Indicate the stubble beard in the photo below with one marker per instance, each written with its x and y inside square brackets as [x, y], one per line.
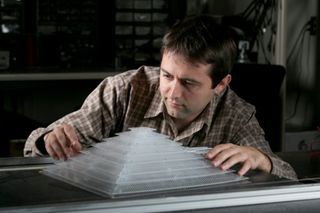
[180, 113]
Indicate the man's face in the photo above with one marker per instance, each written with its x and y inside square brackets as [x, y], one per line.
[185, 87]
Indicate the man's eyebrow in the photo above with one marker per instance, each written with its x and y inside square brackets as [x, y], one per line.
[163, 70]
[184, 79]
[191, 81]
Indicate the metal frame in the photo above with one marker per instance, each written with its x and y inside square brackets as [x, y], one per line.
[182, 203]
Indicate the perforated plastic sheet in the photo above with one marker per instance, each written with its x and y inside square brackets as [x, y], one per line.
[139, 161]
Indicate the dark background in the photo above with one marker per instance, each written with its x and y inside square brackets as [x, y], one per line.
[96, 36]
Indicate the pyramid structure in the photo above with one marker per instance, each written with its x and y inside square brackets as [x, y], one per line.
[137, 162]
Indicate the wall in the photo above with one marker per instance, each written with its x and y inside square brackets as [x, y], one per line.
[28, 104]
[301, 67]
[302, 81]
[302, 100]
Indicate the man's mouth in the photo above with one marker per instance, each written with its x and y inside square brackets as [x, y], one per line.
[175, 105]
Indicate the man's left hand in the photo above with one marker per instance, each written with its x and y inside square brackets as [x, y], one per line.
[227, 155]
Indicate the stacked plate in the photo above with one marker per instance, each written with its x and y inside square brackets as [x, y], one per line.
[137, 162]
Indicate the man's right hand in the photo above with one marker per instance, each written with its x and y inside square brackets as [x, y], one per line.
[62, 142]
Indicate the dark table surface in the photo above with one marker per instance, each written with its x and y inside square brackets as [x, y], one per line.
[22, 184]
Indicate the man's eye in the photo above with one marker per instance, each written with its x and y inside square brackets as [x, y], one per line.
[167, 76]
[188, 83]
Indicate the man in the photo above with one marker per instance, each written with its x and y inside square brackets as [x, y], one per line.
[187, 98]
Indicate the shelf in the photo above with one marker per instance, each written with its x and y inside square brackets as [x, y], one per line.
[89, 33]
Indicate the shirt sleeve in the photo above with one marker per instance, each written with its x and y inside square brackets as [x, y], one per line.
[30, 149]
[251, 134]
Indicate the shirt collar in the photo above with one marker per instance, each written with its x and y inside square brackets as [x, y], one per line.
[156, 107]
[208, 114]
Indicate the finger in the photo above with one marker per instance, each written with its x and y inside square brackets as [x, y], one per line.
[76, 147]
[61, 137]
[70, 133]
[216, 150]
[72, 137]
[224, 156]
[56, 147]
[51, 152]
[234, 159]
[65, 142]
[245, 168]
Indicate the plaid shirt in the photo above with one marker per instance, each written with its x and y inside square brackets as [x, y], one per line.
[132, 99]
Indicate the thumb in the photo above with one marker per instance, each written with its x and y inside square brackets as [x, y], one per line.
[76, 146]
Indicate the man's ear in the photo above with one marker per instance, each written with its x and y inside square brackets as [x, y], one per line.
[223, 84]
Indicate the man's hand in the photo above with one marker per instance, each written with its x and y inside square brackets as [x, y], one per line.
[227, 155]
[62, 142]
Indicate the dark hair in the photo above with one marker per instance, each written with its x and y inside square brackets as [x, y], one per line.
[202, 40]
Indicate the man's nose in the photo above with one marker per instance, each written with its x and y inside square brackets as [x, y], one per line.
[176, 89]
